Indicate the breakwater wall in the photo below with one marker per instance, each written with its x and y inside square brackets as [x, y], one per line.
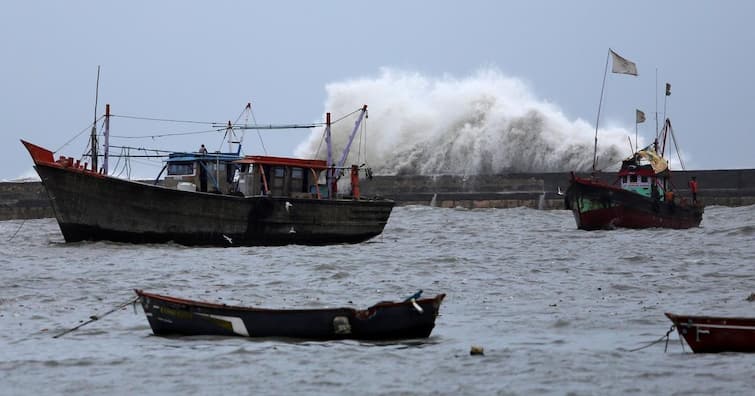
[735, 187]
[731, 187]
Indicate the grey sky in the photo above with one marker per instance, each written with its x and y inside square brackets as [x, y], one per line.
[205, 60]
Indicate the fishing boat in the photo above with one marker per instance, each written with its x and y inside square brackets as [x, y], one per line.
[411, 318]
[641, 196]
[643, 193]
[712, 334]
[214, 199]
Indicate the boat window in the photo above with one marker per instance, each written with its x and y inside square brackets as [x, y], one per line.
[644, 179]
[298, 180]
[278, 174]
[624, 179]
[633, 178]
[181, 168]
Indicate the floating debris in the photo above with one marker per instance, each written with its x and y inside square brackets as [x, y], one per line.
[476, 350]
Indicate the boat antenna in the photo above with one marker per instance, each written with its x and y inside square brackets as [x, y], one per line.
[94, 124]
[656, 103]
[670, 129]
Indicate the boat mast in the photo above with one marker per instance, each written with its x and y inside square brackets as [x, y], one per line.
[329, 144]
[107, 139]
[94, 124]
[597, 121]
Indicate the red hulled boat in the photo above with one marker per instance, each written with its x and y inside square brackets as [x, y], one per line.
[710, 334]
[642, 196]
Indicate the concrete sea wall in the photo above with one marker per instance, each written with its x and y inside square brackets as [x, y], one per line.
[733, 187]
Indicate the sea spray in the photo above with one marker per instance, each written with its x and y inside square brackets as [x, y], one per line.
[486, 123]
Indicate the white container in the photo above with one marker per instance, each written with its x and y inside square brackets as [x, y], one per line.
[186, 186]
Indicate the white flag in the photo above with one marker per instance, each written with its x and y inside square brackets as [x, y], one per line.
[623, 66]
[640, 116]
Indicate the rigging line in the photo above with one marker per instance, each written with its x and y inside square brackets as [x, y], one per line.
[242, 113]
[347, 115]
[86, 128]
[164, 134]
[162, 119]
[259, 135]
[17, 230]
[143, 148]
[676, 147]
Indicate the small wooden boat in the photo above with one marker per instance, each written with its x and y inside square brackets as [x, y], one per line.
[412, 318]
[709, 334]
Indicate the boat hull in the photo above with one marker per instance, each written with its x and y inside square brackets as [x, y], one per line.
[707, 334]
[383, 321]
[597, 205]
[91, 206]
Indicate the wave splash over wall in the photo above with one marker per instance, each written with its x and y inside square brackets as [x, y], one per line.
[486, 123]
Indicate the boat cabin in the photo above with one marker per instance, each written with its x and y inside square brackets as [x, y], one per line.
[638, 175]
[209, 172]
[281, 176]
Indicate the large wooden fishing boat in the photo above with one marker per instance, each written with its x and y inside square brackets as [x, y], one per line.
[412, 318]
[221, 199]
[642, 196]
[712, 334]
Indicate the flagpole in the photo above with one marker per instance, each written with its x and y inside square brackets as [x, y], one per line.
[597, 121]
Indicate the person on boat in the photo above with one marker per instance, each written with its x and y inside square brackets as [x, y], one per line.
[693, 188]
[202, 150]
[669, 196]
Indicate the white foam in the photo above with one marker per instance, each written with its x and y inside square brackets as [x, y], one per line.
[482, 124]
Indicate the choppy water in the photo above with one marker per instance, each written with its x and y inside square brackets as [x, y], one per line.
[556, 309]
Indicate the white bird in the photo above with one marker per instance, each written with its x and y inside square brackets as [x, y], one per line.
[227, 238]
[292, 230]
[559, 191]
[289, 205]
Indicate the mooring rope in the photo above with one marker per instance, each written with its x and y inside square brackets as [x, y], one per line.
[666, 337]
[17, 230]
[96, 317]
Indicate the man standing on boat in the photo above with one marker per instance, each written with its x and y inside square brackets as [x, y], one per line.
[202, 150]
[693, 188]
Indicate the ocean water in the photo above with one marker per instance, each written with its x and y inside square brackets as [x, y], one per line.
[557, 310]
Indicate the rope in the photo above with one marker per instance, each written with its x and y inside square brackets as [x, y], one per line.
[87, 128]
[95, 317]
[162, 119]
[166, 134]
[17, 230]
[666, 337]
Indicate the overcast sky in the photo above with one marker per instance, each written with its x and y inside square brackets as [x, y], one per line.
[204, 61]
